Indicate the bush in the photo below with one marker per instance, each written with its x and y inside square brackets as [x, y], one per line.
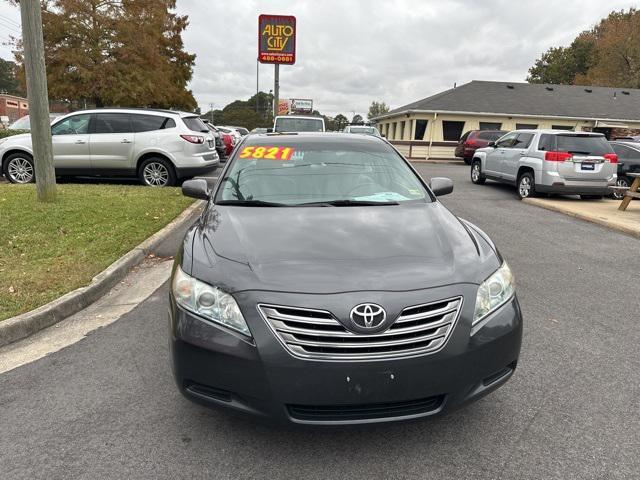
[10, 133]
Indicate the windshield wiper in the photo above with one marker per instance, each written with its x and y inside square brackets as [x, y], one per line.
[345, 203]
[251, 203]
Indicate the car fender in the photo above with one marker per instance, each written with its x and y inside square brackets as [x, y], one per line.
[5, 149]
[482, 156]
[535, 164]
[154, 150]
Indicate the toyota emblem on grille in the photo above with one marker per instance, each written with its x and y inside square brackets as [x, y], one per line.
[368, 315]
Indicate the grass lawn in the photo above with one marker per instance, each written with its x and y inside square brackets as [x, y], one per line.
[47, 250]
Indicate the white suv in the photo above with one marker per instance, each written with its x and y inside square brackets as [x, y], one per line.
[157, 146]
[549, 161]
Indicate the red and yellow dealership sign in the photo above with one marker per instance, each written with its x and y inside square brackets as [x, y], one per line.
[277, 39]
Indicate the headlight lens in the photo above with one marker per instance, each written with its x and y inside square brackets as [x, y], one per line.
[208, 302]
[494, 292]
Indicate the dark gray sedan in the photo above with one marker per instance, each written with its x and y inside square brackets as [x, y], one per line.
[326, 284]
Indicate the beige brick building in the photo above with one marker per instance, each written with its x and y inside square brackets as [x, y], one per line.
[431, 127]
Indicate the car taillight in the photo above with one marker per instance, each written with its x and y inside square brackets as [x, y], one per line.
[193, 138]
[472, 143]
[557, 156]
[611, 157]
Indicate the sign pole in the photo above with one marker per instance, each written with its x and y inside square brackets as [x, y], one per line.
[276, 89]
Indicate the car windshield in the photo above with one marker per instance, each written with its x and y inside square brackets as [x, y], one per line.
[21, 124]
[298, 125]
[583, 144]
[272, 171]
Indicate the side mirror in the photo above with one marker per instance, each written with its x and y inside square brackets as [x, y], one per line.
[196, 188]
[492, 144]
[269, 130]
[441, 186]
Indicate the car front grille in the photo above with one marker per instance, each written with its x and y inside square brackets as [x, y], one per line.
[317, 334]
[349, 413]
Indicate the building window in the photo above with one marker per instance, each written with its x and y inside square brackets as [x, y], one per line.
[451, 131]
[561, 127]
[490, 126]
[526, 126]
[421, 128]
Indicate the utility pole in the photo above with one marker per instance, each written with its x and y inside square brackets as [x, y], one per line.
[257, 81]
[211, 112]
[38, 96]
[276, 89]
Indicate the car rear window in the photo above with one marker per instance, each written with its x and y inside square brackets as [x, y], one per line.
[195, 124]
[491, 136]
[583, 144]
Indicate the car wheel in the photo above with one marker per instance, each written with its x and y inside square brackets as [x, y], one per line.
[467, 160]
[621, 182]
[476, 173]
[526, 185]
[591, 197]
[157, 172]
[18, 168]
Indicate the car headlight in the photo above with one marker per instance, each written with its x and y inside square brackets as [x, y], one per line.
[494, 292]
[208, 302]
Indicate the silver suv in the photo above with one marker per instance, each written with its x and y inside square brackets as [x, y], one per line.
[157, 146]
[549, 161]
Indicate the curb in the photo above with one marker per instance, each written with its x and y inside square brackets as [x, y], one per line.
[21, 326]
[599, 221]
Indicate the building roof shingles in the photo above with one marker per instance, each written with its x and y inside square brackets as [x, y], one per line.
[571, 101]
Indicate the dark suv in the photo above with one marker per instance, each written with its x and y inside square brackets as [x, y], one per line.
[474, 139]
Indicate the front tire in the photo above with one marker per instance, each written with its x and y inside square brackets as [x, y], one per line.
[467, 160]
[157, 172]
[526, 185]
[19, 168]
[477, 176]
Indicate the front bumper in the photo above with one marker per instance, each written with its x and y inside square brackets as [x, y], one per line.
[215, 367]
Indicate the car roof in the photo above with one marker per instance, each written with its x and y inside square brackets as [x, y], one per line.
[627, 143]
[310, 117]
[150, 111]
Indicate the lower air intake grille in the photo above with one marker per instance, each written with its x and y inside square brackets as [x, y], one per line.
[333, 413]
[310, 333]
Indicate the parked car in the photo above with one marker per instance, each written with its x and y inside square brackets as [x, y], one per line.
[474, 139]
[229, 141]
[158, 146]
[259, 130]
[281, 320]
[628, 139]
[243, 131]
[549, 161]
[24, 123]
[217, 136]
[362, 129]
[297, 123]
[628, 162]
[231, 131]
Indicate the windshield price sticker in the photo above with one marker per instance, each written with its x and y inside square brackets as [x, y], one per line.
[267, 153]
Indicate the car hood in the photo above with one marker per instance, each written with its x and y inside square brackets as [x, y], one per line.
[20, 138]
[337, 249]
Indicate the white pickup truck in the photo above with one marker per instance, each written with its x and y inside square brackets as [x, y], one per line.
[296, 123]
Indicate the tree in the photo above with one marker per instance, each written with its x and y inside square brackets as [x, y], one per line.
[357, 118]
[8, 81]
[607, 55]
[617, 52]
[376, 109]
[340, 121]
[561, 65]
[120, 53]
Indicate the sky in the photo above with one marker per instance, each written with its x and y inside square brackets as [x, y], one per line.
[352, 52]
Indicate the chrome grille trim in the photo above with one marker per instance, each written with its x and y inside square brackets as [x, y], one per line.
[317, 334]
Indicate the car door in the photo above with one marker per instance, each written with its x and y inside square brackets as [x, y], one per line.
[628, 158]
[493, 163]
[112, 143]
[513, 154]
[70, 139]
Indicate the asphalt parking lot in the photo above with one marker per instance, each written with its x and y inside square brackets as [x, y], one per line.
[106, 406]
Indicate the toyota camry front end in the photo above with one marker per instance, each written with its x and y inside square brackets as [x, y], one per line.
[325, 284]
